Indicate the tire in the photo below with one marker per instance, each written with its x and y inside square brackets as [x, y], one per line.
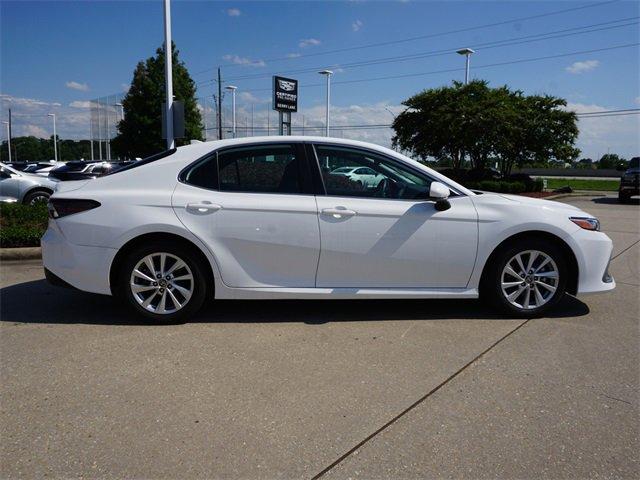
[534, 298]
[182, 288]
[36, 196]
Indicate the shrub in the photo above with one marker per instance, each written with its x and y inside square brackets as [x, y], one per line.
[22, 225]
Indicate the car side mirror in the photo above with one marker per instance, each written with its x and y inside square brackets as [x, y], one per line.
[440, 193]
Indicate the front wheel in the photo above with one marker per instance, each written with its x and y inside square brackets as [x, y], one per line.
[39, 196]
[163, 282]
[527, 279]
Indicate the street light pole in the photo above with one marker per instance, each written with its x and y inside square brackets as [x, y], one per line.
[8, 139]
[467, 53]
[328, 74]
[168, 75]
[55, 136]
[233, 89]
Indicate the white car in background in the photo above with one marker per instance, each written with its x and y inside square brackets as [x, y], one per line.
[27, 188]
[365, 177]
[264, 218]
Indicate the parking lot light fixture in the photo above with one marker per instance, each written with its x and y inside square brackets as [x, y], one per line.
[467, 52]
[233, 89]
[328, 74]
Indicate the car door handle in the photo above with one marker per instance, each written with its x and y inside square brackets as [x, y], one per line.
[339, 212]
[202, 208]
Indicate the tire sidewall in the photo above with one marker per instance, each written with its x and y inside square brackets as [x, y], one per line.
[492, 284]
[199, 281]
[38, 193]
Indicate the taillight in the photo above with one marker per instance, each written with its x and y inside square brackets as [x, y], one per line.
[61, 207]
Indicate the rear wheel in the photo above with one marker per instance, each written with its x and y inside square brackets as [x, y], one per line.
[163, 282]
[526, 279]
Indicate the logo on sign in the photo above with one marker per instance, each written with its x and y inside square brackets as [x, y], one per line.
[286, 85]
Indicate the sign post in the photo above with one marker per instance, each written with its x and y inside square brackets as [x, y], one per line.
[285, 101]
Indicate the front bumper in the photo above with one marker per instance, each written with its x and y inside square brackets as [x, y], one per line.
[83, 267]
[593, 253]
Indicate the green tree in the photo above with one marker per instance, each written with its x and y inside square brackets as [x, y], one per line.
[140, 133]
[483, 123]
[610, 161]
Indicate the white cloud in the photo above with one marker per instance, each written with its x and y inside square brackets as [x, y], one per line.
[581, 67]
[234, 12]
[293, 55]
[598, 134]
[237, 60]
[30, 117]
[309, 42]
[249, 98]
[83, 87]
[80, 104]
[357, 25]
[35, 131]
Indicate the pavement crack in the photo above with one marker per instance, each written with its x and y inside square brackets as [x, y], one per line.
[617, 399]
[630, 246]
[359, 445]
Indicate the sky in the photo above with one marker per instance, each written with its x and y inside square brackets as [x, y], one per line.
[57, 55]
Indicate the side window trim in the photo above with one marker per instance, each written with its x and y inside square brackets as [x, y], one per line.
[373, 152]
[305, 176]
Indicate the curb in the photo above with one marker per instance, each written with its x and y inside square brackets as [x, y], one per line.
[28, 253]
[575, 194]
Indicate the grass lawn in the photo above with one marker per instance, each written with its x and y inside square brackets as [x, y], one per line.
[579, 184]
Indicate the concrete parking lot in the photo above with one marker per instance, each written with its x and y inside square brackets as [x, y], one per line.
[371, 389]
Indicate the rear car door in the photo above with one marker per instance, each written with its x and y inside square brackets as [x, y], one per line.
[388, 234]
[254, 208]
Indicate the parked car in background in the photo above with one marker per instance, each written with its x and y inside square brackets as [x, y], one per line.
[80, 170]
[364, 177]
[264, 218]
[27, 188]
[630, 181]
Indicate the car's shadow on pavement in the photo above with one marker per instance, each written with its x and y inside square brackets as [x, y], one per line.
[39, 302]
[615, 201]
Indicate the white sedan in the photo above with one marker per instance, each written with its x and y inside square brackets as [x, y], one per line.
[264, 218]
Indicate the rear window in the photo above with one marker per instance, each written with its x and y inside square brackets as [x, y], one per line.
[144, 161]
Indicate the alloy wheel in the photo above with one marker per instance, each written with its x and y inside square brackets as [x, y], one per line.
[529, 279]
[162, 283]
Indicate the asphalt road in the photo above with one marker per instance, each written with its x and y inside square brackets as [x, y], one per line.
[371, 389]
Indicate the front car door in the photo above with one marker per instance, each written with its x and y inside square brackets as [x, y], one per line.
[255, 209]
[387, 234]
[10, 182]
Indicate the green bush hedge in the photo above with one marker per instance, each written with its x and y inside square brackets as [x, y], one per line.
[22, 225]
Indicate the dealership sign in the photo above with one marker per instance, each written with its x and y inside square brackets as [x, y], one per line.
[285, 94]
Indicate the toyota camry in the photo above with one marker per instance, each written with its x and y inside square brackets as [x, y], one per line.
[268, 218]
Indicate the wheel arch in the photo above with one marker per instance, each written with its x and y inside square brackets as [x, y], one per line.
[146, 238]
[572, 262]
[34, 189]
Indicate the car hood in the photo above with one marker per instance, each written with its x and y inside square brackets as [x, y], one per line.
[533, 202]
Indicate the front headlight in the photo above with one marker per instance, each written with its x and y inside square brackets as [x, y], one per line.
[588, 223]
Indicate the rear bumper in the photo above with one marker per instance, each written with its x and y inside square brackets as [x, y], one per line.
[82, 267]
[595, 250]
